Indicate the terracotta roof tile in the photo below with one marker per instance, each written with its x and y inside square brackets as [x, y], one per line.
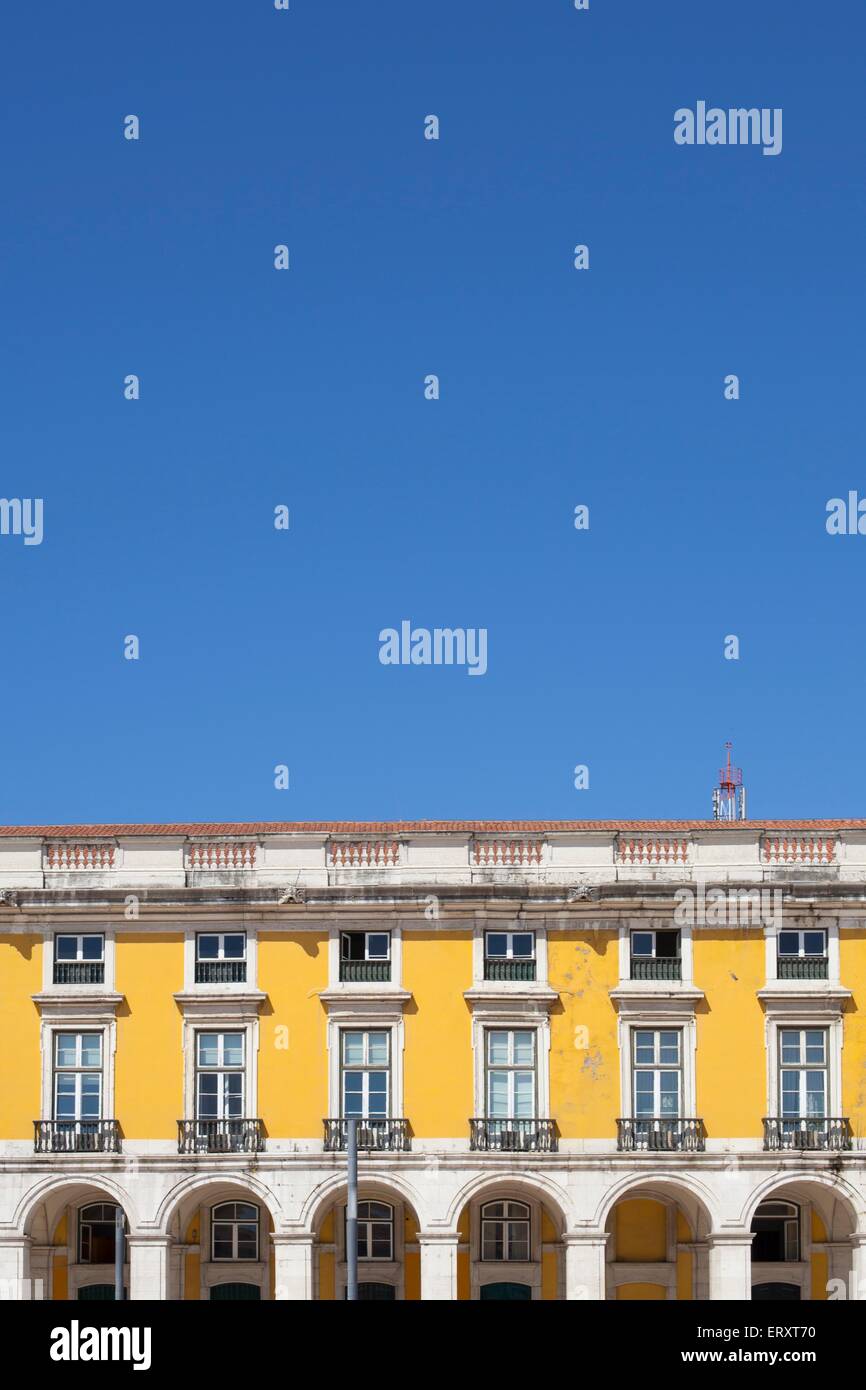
[470, 827]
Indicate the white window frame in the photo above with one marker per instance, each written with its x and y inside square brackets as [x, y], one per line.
[364, 1069]
[78, 1021]
[637, 1020]
[497, 1016]
[800, 1068]
[214, 1220]
[778, 1019]
[392, 986]
[479, 947]
[509, 933]
[220, 936]
[366, 1016]
[830, 926]
[190, 956]
[506, 1259]
[78, 1070]
[655, 1069]
[510, 1069]
[108, 957]
[222, 1069]
[687, 958]
[208, 1021]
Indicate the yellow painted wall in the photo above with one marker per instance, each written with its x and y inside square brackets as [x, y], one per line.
[631, 1293]
[731, 1060]
[584, 1055]
[640, 1228]
[852, 954]
[437, 968]
[20, 1068]
[549, 1275]
[412, 1275]
[293, 1058]
[149, 1061]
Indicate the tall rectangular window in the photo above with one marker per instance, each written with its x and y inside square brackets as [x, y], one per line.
[220, 1075]
[657, 1073]
[366, 1065]
[803, 1072]
[77, 1076]
[511, 1084]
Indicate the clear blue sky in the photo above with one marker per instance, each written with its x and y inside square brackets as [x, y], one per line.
[305, 387]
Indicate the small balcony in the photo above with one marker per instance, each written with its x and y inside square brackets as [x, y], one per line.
[76, 1137]
[512, 1136]
[220, 972]
[79, 972]
[660, 1136]
[807, 1133]
[365, 971]
[380, 1135]
[220, 1136]
[498, 969]
[801, 967]
[656, 968]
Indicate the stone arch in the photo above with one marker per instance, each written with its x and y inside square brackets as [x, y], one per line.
[535, 1186]
[47, 1200]
[693, 1196]
[328, 1192]
[176, 1199]
[841, 1205]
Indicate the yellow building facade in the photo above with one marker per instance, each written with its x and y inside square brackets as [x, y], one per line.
[587, 1060]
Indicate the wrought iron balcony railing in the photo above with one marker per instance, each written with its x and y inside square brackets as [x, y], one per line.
[220, 972]
[513, 1136]
[76, 1136]
[656, 968]
[79, 972]
[220, 1136]
[509, 969]
[383, 1134]
[660, 1136]
[363, 971]
[807, 1132]
[801, 967]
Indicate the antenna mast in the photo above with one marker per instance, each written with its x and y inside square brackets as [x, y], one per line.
[729, 797]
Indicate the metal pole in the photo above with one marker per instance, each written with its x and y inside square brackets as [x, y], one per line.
[118, 1253]
[352, 1209]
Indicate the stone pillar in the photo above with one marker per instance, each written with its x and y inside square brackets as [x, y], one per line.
[857, 1276]
[148, 1266]
[438, 1264]
[730, 1265]
[293, 1266]
[15, 1281]
[585, 1264]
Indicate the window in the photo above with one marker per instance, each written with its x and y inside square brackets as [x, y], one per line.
[235, 1231]
[655, 955]
[509, 955]
[365, 1059]
[803, 1068]
[375, 1231]
[79, 960]
[365, 955]
[219, 1088]
[77, 1076]
[510, 1074]
[802, 955]
[97, 1227]
[657, 1073]
[505, 1231]
[776, 1227]
[220, 958]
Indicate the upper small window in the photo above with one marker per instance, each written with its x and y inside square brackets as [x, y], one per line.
[509, 955]
[79, 960]
[220, 958]
[365, 955]
[655, 955]
[802, 955]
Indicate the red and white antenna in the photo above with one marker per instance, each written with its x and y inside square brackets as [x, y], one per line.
[729, 797]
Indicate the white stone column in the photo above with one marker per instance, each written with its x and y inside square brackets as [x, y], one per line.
[730, 1265]
[438, 1264]
[585, 1264]
[148, 1266]
[15, 1269]
[857, 1276]
[293, 1265]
